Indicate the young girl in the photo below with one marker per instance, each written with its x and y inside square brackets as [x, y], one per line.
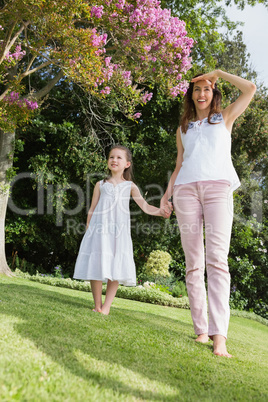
[202, 185]
[106, 252]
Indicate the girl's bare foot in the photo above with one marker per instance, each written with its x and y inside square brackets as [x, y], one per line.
[219, 346]
[96, 310]
[202, 338]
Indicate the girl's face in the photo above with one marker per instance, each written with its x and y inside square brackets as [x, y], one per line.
[202, 95]
[117, 160]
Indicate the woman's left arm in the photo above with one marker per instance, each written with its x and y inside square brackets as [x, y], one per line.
[247, 88]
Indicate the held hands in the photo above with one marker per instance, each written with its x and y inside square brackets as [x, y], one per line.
[211, 77]
[166, 209]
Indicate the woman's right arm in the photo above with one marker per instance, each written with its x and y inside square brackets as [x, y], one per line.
[169, 190]
[94, 202]
[235, 109]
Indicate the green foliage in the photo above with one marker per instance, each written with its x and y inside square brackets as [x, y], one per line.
[58, 272]
[250, 132]
[162, 288]
[153, 296]
[57, 281]
[22, 265]
[247, 262]
[237, 302]
[158, 263]
[179, 290]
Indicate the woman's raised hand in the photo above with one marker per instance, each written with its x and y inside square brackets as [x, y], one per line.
[211, 77]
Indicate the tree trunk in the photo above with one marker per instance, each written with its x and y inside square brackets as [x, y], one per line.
[7, 142]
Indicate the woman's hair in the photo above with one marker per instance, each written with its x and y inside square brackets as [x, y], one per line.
[128, 172]
[189, 112]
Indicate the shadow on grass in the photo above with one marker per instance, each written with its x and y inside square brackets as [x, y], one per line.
[60, 325]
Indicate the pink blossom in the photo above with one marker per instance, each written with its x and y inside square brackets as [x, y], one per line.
[147, 48]
[155, 43]
[17, 55]
[106, 91]
[31, 105]
[107, 61]
[136, 115]
[147, 97]
[98, 40]
[180, 88]
[127, 77]
[97, 11]
[120, 4]
[14, 98]
[100, 51]
[126, 74]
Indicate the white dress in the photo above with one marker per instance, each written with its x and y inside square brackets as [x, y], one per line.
[106, 250]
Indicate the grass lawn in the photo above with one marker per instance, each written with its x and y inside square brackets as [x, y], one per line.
[54, 348]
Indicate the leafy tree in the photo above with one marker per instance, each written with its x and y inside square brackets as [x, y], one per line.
[104, 48]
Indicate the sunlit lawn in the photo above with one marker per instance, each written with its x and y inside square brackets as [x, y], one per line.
[53, 347]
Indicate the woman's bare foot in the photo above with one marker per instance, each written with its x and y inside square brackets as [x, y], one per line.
[219, 346]
[202, 338]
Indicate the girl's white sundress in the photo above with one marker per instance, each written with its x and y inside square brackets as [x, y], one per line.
[106, 250]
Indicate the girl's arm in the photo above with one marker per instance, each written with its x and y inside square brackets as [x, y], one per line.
[94, 202]
[231, 112]
[148, 209]
[169, 190]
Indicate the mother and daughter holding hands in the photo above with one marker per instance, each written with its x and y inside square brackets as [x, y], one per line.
[201, 185]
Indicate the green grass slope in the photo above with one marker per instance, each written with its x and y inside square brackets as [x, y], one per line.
[54, 348]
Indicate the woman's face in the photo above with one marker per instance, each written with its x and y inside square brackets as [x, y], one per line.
[202, 95]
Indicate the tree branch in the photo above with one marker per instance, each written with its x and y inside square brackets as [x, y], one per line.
[44, 91]
[30, 63]
[28, 71]
[13, 40]
[4, 94]
[3, 9]
[4, 51]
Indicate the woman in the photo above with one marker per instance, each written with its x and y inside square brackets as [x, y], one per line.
[202, 185]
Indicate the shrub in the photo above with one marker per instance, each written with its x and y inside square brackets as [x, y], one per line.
[146, 295]
[237, 302]
[179, 290]
[58, 272]
[160, 287]
[158, 264]
[248, 261]
[151, 295]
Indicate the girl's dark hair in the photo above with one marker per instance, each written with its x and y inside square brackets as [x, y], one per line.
[189, 112]
[128, 172]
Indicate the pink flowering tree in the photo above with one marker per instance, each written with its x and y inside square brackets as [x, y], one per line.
[111, 47]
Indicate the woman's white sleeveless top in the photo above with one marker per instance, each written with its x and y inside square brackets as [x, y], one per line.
[207, 153]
